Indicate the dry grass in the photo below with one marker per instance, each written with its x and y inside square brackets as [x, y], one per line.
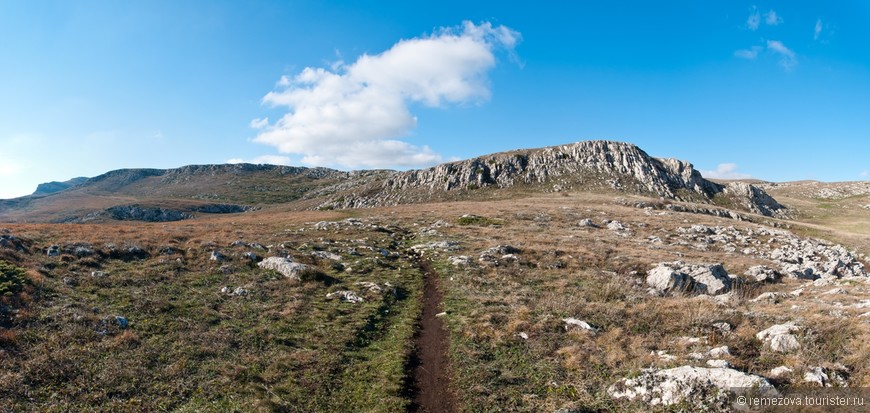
[284, 347]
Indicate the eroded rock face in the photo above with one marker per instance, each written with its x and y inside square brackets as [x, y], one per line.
[147, 214]
[677, 276]
[586, 164]
[755, 199]
[700, 387]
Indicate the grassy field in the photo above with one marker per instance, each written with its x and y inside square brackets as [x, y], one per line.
[188, 346]
[135, 317]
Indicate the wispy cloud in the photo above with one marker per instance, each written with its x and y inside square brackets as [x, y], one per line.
[771, 19]
[750, 53]
[725, 171]
[754, 19]
[864, 174]
[817, 30]
[787, 57]
[259, 123]
[353, 115]
[264, 159]
[753, 22]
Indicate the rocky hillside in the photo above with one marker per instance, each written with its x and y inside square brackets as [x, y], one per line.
[55, 186]
[176, 193]
[581, 165]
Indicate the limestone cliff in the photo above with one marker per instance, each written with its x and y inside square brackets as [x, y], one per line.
[581, 165]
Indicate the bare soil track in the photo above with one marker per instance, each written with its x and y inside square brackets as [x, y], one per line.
[431, 388]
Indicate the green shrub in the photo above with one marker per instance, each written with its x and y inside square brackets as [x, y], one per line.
[478, 220]
[12, 278]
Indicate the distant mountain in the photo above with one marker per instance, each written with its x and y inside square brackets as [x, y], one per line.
[181, 193]
[55, 186]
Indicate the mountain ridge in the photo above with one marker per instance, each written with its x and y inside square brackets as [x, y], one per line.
[579, 166]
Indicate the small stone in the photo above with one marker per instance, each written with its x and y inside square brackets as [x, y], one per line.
[718, 352]
[346, 296]
[571, 321]
[816, 375]
[122, 322]
[780, 372]
[217, 256]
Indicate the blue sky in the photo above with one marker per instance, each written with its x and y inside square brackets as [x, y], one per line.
[773, 90]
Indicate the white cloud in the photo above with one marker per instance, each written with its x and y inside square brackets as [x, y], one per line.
[754, 19]
[352, 115]
[772, 19]
[725, 171]
[263, 160]
[864, 174]
[750, 53]
[817, 30]
[259, 123]
[787, 59]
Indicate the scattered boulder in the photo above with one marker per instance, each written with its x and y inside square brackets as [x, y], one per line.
[780, 372]
[121, 322]
[217, 256]
[817, 375]
[436, 245]
[718, 363]
[83, 251]
[326, 255]
[53, 251]
[763, 273]
[719, 352]
[723, 327]
[768, 296]
[459, 260]
[346, 296]
[779, 338]
[495, 255]
[573, 322]
[616, 226]
[701, 388]
[238, 291]
[677, 276]
[285, 266]
[586, 222]
[370, 286]
[501, 250]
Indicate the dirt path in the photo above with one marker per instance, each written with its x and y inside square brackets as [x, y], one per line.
[432, 393]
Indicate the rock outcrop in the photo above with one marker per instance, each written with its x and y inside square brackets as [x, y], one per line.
[587, 164]
[285, 266]
[679, 277]
[55, 186]
[702, 388]
[796, 257]
[147, 214]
